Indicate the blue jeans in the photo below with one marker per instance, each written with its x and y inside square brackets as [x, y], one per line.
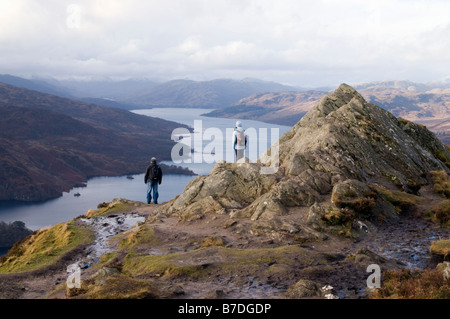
[153, 185]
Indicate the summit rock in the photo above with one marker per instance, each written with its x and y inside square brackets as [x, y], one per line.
[336, 167]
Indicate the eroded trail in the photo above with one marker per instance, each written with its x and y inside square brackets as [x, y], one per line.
[408, 241]
[106, 227]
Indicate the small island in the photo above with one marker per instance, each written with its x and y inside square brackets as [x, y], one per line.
[173, 169]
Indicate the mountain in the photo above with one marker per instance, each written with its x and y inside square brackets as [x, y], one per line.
[105, 89]
[35, 85]
[351, 186]
[342, 142]
[403, 85]
[206, 94]
[105, 93]
[108, 103]
[135, 93]
[50, 144]
[279, 107]
[416, 102]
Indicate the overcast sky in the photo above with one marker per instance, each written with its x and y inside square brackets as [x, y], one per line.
[305, 43]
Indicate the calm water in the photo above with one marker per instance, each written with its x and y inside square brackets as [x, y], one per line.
[98, 190]
[105, 189]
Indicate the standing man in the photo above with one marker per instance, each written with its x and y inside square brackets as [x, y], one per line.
[153, 178]
[239, 141]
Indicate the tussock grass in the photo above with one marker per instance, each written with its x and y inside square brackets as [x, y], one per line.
[413, 284]
[440, 213]
[44, 247]
[441, 247]
[441, 183]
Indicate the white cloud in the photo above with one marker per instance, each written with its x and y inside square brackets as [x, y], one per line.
[301, 42]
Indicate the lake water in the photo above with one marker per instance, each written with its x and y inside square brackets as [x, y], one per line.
[105, 189]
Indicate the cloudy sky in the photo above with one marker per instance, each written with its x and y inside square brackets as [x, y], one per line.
[298, 42]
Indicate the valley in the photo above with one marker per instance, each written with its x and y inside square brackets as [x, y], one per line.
[356, 186]
[49, 144]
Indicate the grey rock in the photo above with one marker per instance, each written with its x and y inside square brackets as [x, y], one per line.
[331, 157]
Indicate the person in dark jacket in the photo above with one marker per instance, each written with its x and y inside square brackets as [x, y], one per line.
[153, 178]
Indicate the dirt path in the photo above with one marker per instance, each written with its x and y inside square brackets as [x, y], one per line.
[407, 241]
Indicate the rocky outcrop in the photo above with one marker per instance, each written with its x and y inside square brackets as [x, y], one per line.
[334, 167]
[346, 137]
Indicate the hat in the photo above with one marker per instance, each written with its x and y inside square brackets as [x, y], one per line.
[153, 159]
[238, 124]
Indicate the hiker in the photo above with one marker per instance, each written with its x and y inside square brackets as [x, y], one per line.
[153, 178]
[239, 141]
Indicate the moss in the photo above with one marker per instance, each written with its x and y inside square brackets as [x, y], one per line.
[198, 263]
[105, 259]
[159, 266]
[402, 201]
[393, 179]
[143, 235]
[117, 205]
[44, 247]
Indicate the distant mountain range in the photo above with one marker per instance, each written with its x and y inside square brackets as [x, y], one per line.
[49, 144]
[279, 107]
[131, 94]
[426, 103]
[206, 94]
[421, 103]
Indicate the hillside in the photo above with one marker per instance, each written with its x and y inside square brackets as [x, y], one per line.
[205, 94]
[50, 144]
[279, 107]
[415, 102]
[35, 85]
[430, 107]
[353, 186]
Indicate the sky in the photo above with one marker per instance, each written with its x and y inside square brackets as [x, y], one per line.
[306, 43]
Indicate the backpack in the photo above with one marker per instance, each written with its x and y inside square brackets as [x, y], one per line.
[240, 138]
[155, 173]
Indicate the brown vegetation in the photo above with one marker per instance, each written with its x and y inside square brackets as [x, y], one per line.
[414, 284]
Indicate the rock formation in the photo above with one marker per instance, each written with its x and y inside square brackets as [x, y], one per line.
[336, 167]
[344, 175]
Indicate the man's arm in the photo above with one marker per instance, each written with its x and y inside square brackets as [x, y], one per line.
[234, 139]
[146, 176]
